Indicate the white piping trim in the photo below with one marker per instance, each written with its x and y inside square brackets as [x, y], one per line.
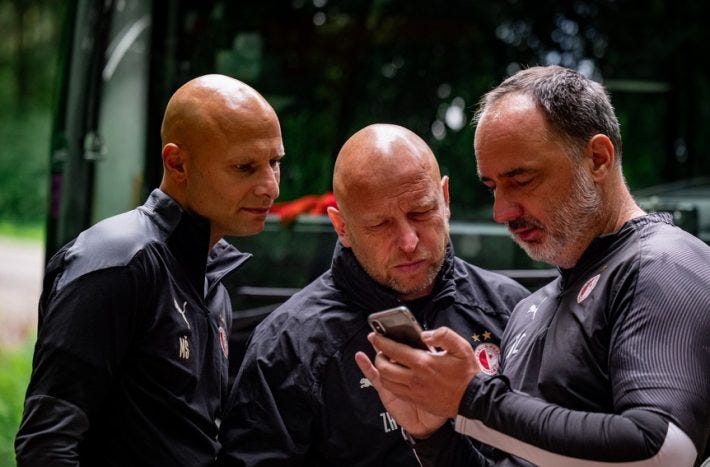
[678, 450]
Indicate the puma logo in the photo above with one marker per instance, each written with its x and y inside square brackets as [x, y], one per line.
[182, 311]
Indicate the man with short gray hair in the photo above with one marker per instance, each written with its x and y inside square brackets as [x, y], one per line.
[609, 362]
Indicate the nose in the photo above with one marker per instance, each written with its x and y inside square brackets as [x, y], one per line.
[408, 239]
[505, 209]
[268, 184]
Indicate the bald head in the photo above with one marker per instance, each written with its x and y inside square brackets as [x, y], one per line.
[221, 150]
[376, 157]
[213, 106]
[393, 208]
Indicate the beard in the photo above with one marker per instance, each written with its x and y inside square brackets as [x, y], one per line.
[431, 250]
[569, 227]
[403, 287]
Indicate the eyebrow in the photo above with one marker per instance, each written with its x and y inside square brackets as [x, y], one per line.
[250, 159]
[510, 174]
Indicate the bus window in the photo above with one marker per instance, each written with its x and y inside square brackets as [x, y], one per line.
[122, 124]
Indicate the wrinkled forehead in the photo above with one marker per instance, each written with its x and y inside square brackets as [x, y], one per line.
[512, 110]
[391, 178]
[394, 201]
[513, 119]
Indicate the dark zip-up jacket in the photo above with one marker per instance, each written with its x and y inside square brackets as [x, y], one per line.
[609, 364]
[130, 365]
[300, 398]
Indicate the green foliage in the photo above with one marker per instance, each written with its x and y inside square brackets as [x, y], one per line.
[641, 121]
[24, 166]
[409, 61]
[308, 166]
[28, 50]
[15, 369]
[33, 231]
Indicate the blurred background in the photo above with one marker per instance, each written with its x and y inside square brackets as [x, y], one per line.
[83, 85]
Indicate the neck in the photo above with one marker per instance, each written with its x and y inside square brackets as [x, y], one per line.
[621, 208]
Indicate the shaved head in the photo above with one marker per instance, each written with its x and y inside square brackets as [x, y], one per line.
[214, 105]
[393, 208]
[221, 150]
[376, 156]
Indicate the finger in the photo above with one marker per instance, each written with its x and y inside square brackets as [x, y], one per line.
[446, 339]
[401, 353]
[373, 375]
[390, 369]
[389, 380]
[371, 338]
[400, 380]
[368, 369]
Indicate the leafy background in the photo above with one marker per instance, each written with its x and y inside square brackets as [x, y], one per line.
[331, 67]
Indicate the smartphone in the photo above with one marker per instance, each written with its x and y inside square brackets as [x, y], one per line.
[398, 324]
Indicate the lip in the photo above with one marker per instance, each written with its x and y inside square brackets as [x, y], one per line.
[410, 266]
[528, 234]
[257, 211]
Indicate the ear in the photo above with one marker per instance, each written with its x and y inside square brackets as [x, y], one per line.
[445, 192]
[600, 150]
[336, 218]
[174, 162]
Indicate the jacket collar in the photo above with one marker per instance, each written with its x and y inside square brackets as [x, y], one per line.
[605, 244]
[188, 239]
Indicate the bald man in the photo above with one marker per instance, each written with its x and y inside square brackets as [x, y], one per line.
[130, 365]
[300, 399]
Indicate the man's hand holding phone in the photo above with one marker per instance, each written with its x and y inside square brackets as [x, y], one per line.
[401, 326]
[420, 389]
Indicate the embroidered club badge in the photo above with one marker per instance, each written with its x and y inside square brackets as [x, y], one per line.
[223, 341]
[587, 288]
[487, 355]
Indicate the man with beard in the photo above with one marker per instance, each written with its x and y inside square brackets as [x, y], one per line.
[299, 398]
[608, 363]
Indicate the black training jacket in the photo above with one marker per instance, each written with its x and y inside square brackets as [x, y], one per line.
[300, 399]
[130, 365]
[607, 365]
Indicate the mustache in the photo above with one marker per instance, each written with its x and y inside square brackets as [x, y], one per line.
[523, 223]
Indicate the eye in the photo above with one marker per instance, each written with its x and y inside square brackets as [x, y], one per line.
[244, 168]
[521, 182]
[422, 214]
[377, 226]
[275, 163]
